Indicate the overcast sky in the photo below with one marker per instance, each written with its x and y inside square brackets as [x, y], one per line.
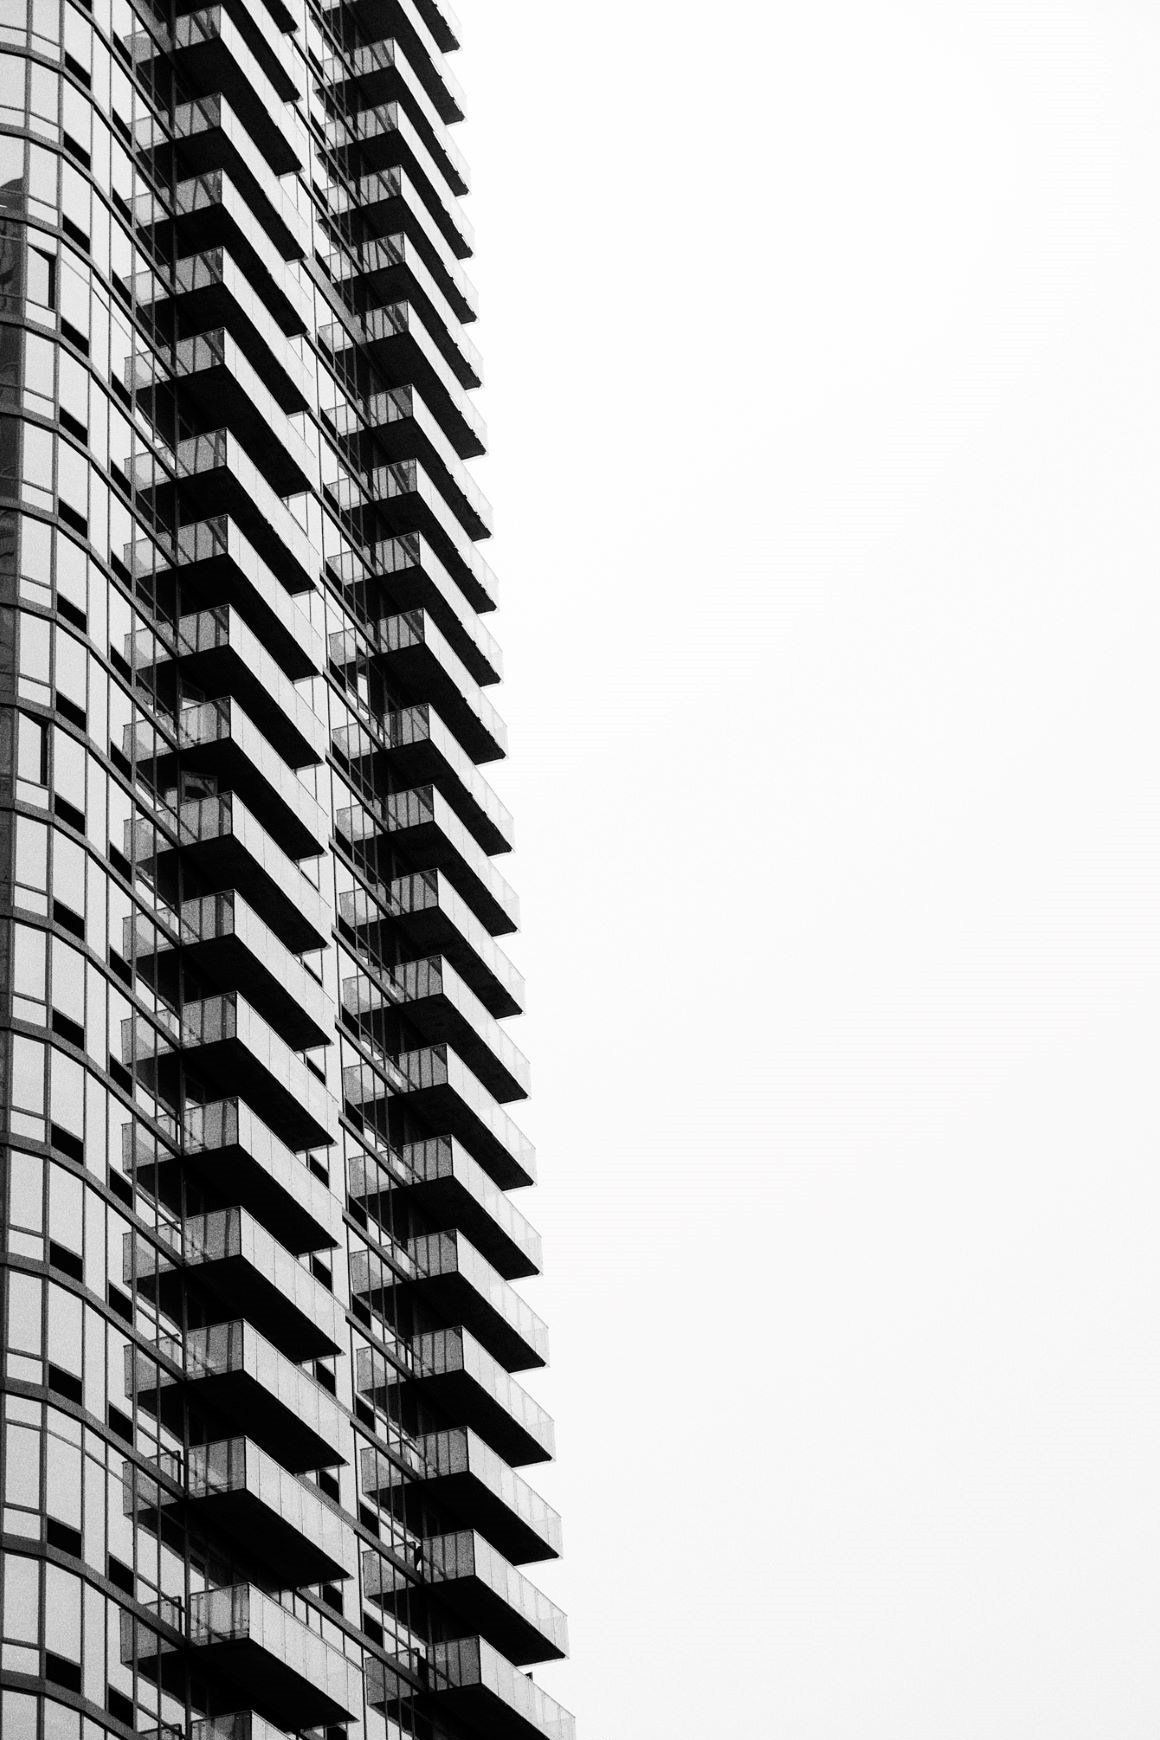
[823, 350]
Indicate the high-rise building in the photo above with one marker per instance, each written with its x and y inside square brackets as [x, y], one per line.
[265, 1423]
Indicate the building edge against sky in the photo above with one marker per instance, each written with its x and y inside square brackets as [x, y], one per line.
[267, 1411]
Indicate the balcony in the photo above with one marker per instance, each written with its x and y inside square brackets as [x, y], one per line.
[213, 382]
[435, 1085]
[469, 1681]
[220, 653]
[422, 824]
[231, 1370]
[248, 1648]
[261, 233]
[440, 1180]
[241, 1271]
[274, 18]
[406, 353]
[227, 1042]
[385, 137]
[216, 475]
[379, 72]
[234, 1491]
[397, 423]
[381, 20]
[407, 574]
[439, 1003]
[209, 290]
[460, 1477]
[420, 749]
[217, 738]
[464, 1573]
[453, 1372]
[456, 1284]
[236, 1159]
[223, 937]
[216, 565]
[232, 850]
[211, 133]
[433, 916]
[213, 57]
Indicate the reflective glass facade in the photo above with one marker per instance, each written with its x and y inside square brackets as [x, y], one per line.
[266, 1438]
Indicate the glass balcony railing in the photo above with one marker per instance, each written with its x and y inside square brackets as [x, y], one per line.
[232, 1039]
[449, 1188]
[452, 1367]
[285, 1521]
[217, 471]
[440, 1084]
[439, 1001]
[401, 418]
[449, 1270]
[382, 22]
[289, 1673]
[243, 1270]
[224, 931]
[382, 72]
[214, 555]
[426, 750]
[262, 235]
[225, 1141]
[480, 1584]
[460, 1474]
[219, 652]
[235, 1370]
[229, 841]
[438, 916]
[512, 1706]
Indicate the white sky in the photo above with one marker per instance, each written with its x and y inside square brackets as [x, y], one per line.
[824, 390]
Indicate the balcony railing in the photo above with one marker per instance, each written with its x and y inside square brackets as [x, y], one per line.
[488, 1594]
[450, 1367]
[237, 1372]
[464, 1478]
[469, 1680]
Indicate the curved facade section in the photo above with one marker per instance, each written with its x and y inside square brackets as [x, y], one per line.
[268, 1446]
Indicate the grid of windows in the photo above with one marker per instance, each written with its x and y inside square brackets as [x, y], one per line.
[267, 1396]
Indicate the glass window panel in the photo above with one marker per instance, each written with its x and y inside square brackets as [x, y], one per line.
[62, 1491]
[22, 1467]
[64, 1328]
[62, 1608]
[29, 963]
[17, 1716]
[21, 1599]
[66, 1208]
[28, 1074]
[26, 1190]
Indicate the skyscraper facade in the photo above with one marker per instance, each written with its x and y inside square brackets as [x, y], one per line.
[265, 1417]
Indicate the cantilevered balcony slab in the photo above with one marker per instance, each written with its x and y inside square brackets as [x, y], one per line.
[269, 17]
[224, 938]
[470, 1682]
[235, 1158]
[386, 137]
[218, 652]
[452, 1280]
[459, 1476]
[235, 1373]
[420, 750]
[379, 72]
[450, 1369]
[213, 57]
[405, 353]
[211, 383]
[436, 1085]
[398, 423]
[260, 233]
[211, 133]
[216, 565]
[439, 1003]
[216, 475]
[465, 1573]
[441, 1007]
[394, 20]
[231, 1490]
[240, 1270]
[241, 1638]
[436, 919]
[232, 850]
[239, 1493]
[421, 823]
[210, 290]
[449, 1189]
[227, 1042]
[422, 666]
[218, 738]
